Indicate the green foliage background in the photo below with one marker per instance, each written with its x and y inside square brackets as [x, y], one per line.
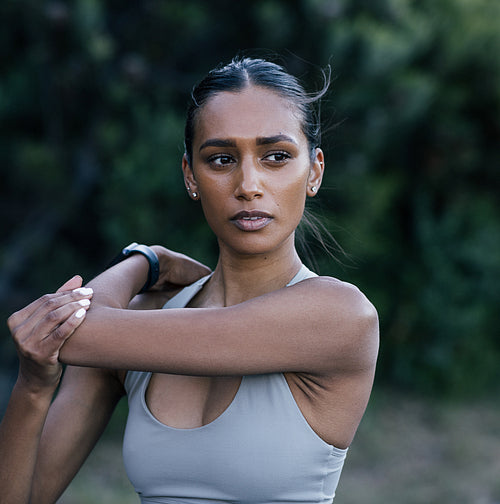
[92, 101]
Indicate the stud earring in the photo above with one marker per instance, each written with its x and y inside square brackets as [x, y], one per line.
[314, 189]
[195, 195]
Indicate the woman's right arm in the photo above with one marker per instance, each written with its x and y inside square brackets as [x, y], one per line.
[44, 443]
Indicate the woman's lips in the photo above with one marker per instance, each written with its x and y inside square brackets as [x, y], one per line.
[251, 220]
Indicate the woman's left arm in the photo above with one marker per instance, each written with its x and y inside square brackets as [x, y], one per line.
[320, 325]
[118, 286]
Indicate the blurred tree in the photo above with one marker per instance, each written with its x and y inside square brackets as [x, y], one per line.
[416, 181]
[92, 101]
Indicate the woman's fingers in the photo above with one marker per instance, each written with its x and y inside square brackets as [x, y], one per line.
[39, 347]
[50, 325]
[19, 317]
[71, 316]
[71, 284]
[41, 329]
[43, 343]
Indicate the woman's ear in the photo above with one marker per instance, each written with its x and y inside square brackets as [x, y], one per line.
[189, 180]
[316, 173]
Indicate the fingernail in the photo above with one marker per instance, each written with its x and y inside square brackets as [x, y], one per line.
[80, 313]
[84, 302]
[84, 291]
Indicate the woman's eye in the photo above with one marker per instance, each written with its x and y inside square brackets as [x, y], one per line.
[277, 157]
[220, 160]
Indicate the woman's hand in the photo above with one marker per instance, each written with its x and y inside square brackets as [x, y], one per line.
[177, 270]
[41, 329]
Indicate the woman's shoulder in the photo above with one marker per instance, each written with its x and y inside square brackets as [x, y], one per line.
[330, 290]
[344, 315]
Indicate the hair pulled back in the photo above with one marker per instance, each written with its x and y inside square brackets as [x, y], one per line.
[243, 72]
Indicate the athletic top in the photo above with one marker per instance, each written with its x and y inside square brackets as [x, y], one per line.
[260, 450]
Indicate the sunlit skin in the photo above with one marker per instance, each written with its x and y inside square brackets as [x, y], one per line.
[252, 169]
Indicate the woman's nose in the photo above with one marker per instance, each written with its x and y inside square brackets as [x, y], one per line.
[249, 184]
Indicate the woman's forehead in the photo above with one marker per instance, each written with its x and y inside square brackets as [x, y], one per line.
[251, 112]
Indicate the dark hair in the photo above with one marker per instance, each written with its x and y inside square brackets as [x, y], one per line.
[242, 72]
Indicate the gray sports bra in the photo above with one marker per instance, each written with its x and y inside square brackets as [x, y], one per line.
[260, 450]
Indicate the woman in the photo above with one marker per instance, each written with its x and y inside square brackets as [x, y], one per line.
[251, 385]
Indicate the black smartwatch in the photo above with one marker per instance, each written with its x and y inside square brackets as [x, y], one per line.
[149, 254]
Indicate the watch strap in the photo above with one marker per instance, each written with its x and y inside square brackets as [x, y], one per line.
[149, 254]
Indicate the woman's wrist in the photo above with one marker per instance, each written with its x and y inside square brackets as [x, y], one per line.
[117, 285]
[149, 254]
[38, 394]
[176, 269]
[165, 256]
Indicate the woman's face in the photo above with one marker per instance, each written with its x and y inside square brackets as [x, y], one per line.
[252, 169]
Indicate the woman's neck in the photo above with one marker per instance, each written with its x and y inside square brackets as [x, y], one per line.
[239, 278]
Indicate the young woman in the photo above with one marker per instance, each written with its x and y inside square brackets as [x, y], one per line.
[249, 388]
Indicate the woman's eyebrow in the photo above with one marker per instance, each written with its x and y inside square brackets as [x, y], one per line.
[217, 142]
[223, 142]
[275, 139]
